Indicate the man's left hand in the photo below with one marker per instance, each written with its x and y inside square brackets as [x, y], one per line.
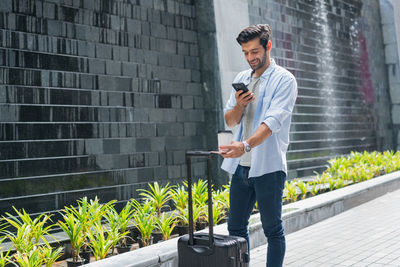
[234, 150]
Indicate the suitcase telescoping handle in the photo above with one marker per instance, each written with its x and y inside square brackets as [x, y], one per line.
[203, 154]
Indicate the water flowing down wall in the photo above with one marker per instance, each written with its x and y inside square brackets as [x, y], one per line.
[322, 42]
[97, 97]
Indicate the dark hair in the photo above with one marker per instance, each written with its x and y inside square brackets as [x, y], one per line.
[263, 31]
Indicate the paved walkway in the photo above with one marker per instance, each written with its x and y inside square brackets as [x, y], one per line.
[367, 235]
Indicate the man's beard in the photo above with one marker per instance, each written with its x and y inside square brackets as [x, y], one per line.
[263, 60]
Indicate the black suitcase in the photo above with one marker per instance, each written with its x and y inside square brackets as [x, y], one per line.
[209, 250]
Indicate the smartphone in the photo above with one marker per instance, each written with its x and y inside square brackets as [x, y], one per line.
[240, 86]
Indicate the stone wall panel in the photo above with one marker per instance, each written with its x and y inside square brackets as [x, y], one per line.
[91, 98]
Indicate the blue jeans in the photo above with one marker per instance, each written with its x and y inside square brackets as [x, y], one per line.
[267, 191]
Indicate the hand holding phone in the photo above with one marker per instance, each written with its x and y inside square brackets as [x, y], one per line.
[243, 101]
[240, 86]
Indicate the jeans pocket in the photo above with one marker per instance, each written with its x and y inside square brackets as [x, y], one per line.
[241, 175]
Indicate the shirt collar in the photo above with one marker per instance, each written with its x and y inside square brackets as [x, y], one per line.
[267, 72]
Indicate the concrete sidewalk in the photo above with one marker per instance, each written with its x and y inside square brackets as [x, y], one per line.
[367, 235]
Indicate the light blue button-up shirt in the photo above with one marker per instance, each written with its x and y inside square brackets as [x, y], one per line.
[277, 96]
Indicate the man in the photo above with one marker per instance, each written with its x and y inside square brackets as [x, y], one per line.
[257, 156]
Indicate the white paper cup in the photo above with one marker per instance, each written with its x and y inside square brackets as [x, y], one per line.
[224, 138]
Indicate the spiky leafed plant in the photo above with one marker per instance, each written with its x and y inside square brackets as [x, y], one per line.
[32, 258]
[303, 188]
[144, 219]
[339, 183]
[158, 195]
[103, 239]
[291, 191]
[21, 239]
[218, 210]
[5, 258]
[183, 215]
[50, 255]
[74, 228]
[314, 188]
[166, 224]
[87, 213]
[179, 196]
[120, 222]
[34, 230]
[336, 163]
[199, 191]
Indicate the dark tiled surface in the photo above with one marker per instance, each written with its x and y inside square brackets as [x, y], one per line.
[96, 98]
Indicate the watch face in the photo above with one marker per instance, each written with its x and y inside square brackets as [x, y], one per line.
[247, 148]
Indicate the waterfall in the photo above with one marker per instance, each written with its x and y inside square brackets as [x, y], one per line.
[327, 69]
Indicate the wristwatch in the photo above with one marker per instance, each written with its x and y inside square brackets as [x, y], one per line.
[247, 147]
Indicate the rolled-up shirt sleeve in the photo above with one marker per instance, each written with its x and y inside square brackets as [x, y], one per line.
[282, 104]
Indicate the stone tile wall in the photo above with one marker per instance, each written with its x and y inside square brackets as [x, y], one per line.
[97, 97]
[390, 13]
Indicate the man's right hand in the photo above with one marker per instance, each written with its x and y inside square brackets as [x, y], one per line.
[233, 116]
[242, 100]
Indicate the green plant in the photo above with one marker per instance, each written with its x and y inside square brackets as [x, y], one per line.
[32, 258]
[103, 239]
[29, 231]
[21, 239]
[183, 215]
[83, 211]
[74, 228]
[343, 173]
[336, 163]
[222, 196]
[90, 211]
[361, 173]
[120, 222]
[179, 196]
[218, 212]
[200, 198]
[166, 224]
[303, 188]
[314, 188]
[389, 162]
[291, 192]
[111, 217]
[199, 191]
[355, 157]
[157, 195]
[332, 183]
[353, 175]
[4, 256]
[322, 180]
[97, 210]
[87, 213]
[339, 183]
[145, 207]
[50, 255]
[356, 167]
[144, 220]
[5, 259]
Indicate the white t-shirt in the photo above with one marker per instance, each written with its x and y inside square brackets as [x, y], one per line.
[248, 117]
